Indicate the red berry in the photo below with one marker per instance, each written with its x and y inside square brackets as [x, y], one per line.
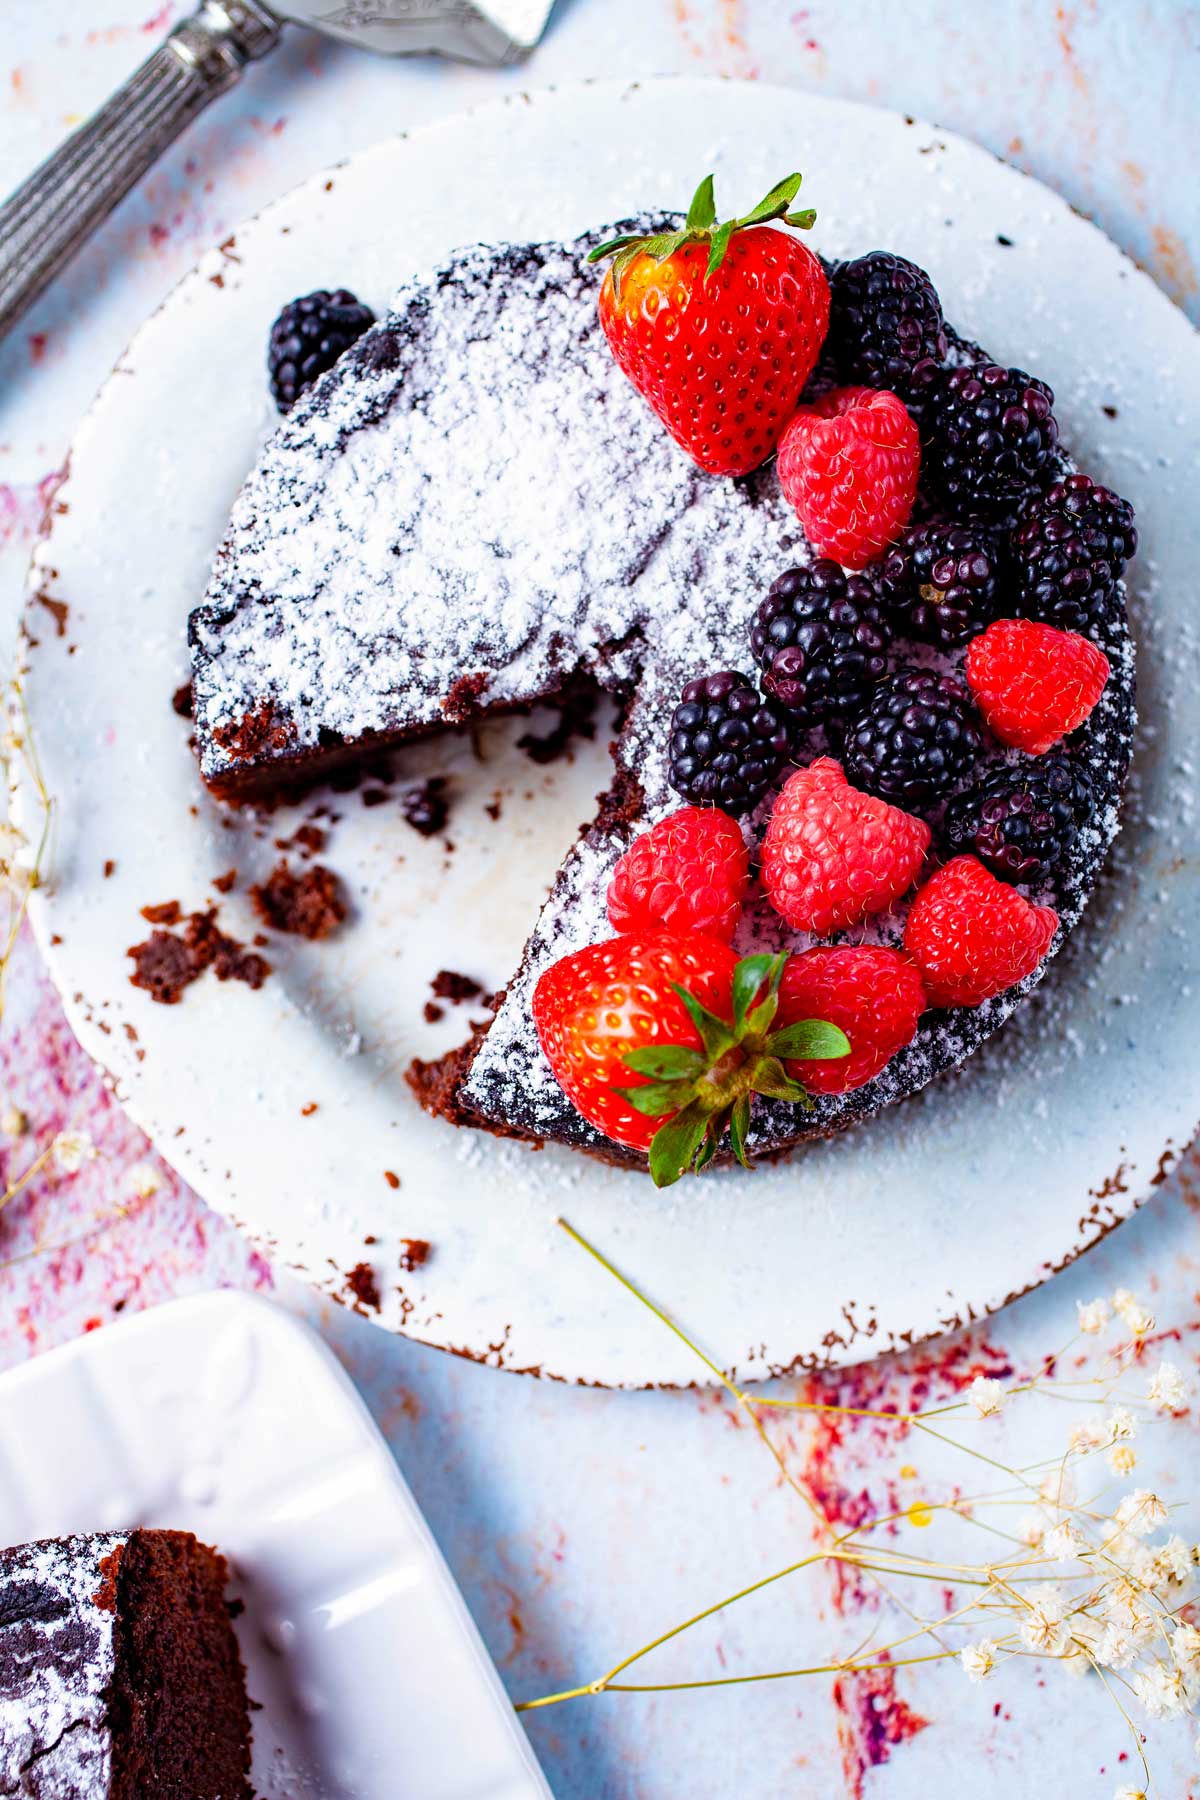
[833, 855]
[973, 937]
[1033, 683]
[721, 357]
[591, 1008]
[873, 993]
[689, 872]
[849, 465]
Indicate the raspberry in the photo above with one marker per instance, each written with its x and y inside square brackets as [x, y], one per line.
[941, 580]
[831, 856]
[308, 337]
[849, 465]
[1032, 683]
[1022, 821]
[916, 741]
[821, 639]
[874, 994]
[989, 437]
[1070, 548]
[973, 937]
[688, 873]
[885, 320]
[727, 743]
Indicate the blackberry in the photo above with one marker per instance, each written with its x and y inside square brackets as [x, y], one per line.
[989, 439]
[727, 743]
[941, 581]
[1070, 548]
[916, 741]
[885, 320]
[1022, 820]
[308, 337]
[821, 637]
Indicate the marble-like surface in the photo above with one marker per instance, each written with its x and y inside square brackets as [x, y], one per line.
[579, 1524]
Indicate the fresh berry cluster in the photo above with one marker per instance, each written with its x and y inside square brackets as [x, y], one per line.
[308, 337]
[662, 1035]
[821, 638]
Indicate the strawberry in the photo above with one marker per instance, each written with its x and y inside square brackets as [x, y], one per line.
[689, 872]
[661, 1040]
[849, 465]
[719, 326]
[832, 855]
[973, 937]
[873, 993]
[1034, 683]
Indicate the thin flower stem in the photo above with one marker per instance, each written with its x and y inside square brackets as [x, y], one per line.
[14, 1188]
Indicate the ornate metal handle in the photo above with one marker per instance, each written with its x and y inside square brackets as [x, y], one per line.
[52, 215]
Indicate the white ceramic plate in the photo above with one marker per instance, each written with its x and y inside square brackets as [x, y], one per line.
[918, 1221]
[225, 1416]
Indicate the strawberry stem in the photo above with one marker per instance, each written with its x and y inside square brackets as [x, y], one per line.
[708, 1094]
[701, 227]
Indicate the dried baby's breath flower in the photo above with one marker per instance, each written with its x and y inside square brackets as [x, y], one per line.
[71, 1149]
[1130, 1793]
[1042, 1627]
[1031, 1529]
[13, 1123]
[1093, 1315]
[1120, 1424]
[18, 879]
[1160, 1690]
[1088, 1434]
[1171, 1563]
[11, 841]
[1056, 1489]
[145, 1181]
[1139, 1512]
[986, 1395]
[1167, 1391]
[1066, 1542]
[978, 1660]
[1134, 1316]
[1185, 1648]
[1122, 1459]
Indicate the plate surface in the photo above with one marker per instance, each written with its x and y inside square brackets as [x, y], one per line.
[286, 1107]
[225, 1416]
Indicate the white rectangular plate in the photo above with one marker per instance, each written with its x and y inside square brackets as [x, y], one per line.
[225, 1416]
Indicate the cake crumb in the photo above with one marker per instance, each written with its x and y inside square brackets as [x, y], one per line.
[363, 1285]
[425, 806]
[224, 883]
[167, 912]
[392, 1179]
[309, 905]
[413, 1252]
[448, 984]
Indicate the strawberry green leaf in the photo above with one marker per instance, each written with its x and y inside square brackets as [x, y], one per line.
[748, 978]
[666, 1062]
[612, 245]
[675, 1144]
[706, 1152]
[715, 1034]
[771, 1081]
[759, 1020]
[655, 1098]
[807, 1038]
[803, 221]
[739, 1125]
[720, 244]
[776, 203]
[702, 213]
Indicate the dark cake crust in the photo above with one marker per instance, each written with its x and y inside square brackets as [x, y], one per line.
[351, 608]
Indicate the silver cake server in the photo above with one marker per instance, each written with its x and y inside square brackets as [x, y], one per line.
[54, 213]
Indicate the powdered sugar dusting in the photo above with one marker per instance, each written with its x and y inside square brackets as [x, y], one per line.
[477, 496]
[57, 1658]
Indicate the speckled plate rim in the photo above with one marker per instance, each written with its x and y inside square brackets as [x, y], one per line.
[955, 1226]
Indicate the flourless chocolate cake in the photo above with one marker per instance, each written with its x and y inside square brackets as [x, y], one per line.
[474, 510]
[119, 1672]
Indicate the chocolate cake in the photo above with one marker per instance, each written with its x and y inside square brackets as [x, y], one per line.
[474, 511]
[119, 1672]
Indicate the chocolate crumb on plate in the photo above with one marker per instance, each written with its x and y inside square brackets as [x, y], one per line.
[448, 984]
[363, 1285]
[309, 904]
[425, 806]
[413, 1252]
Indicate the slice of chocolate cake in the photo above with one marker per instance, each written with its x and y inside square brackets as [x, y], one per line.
[120, 1677]
[475, 510]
